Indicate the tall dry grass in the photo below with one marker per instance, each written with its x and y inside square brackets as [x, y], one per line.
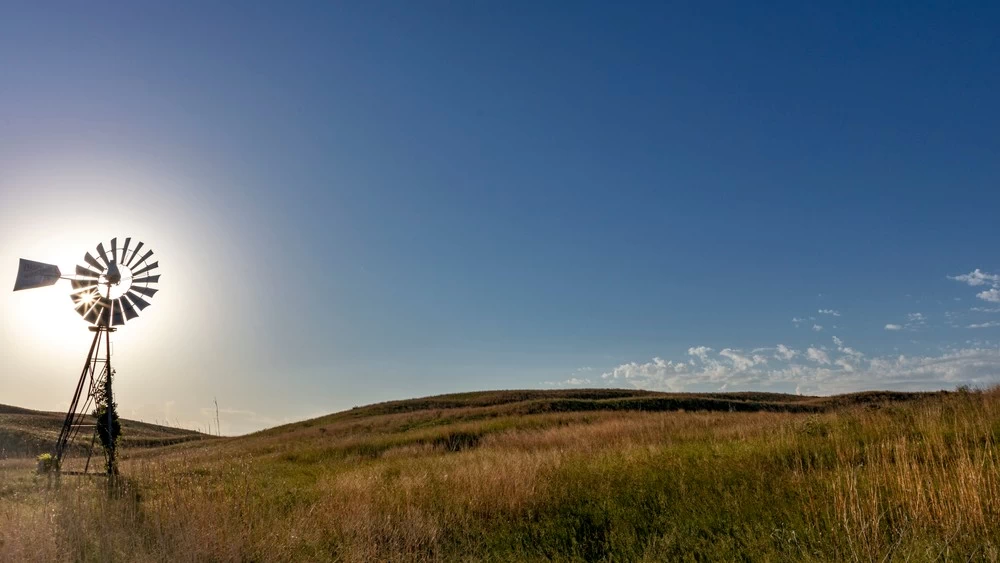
[915, 481]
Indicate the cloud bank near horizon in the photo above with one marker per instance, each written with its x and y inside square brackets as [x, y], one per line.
[824, 369]
[816, 370]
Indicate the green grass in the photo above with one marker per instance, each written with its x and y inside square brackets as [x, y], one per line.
[589, 476]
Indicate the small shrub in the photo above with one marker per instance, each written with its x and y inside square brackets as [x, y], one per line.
[47, 463]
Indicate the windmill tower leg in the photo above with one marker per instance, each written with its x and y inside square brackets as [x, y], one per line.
[71, 414]
[112, 461]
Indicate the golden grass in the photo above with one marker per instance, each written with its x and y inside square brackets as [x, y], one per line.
[914, 481]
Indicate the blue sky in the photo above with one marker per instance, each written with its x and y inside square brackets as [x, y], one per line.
[369, 201]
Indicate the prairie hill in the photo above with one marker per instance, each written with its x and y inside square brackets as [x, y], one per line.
[25, 432]
[443, 420]
[493, 404]
[458, 421]
[567, 475]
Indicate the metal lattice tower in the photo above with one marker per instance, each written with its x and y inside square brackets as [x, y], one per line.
[108, 291]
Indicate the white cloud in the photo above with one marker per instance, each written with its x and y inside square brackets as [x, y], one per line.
[977, 278]
[820, 374]
[817, 355]
[785, 353]
[989, 324]
[656, 374]
[570, 381]
[986, 309]
[916, 318]
[891, 326]
[829, 312]
[797, 321]
[818, 328]
[740, 361]
[847, 350]
[700, 352]
[845, 364]
[838, 342]
[991, 295]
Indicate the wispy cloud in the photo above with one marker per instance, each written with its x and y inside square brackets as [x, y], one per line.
[783, 352]
[578, 377]
[742, 361]
[820, 372]
[914, 321]
[568, 382]
[817, 355]
[822, 369]
[700, 352]
[991, 295]
[978, 277]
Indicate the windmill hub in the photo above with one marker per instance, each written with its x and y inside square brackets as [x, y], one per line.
[116, 281]
[114, 274]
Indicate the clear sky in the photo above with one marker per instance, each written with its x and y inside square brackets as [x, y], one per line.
[357, 202]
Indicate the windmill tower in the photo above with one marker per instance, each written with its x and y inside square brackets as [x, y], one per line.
[108, 291]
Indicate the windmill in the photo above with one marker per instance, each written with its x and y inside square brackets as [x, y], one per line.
[108, 291]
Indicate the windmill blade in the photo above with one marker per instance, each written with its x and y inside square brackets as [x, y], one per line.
[148, 279]
[147, 291]
[102, 253]
[78, 284]
[104, 307]
[135, 253]
[128, 240]
[92, 306]
[85, 271]
[144, 257]
[84, 300]
[105, 318]
[31, 274]
[114, 249]
[83, 308]
[116, 315]
[138, 301]
[94, 313]
[127, 308]
[88, 295]
[146, 269]
[93, 262]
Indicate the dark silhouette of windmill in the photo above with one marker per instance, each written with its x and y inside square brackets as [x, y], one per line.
[108, 291]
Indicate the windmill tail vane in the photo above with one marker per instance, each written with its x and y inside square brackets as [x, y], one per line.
[111, 288]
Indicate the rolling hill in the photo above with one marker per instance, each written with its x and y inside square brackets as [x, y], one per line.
[27, 433]
[566, 475]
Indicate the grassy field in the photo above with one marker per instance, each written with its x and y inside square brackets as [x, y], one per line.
[599, 475]
[27, 433]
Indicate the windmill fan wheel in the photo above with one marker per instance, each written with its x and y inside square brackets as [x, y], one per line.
[116, 284]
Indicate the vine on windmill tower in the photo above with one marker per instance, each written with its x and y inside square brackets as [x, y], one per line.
[109, 428]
